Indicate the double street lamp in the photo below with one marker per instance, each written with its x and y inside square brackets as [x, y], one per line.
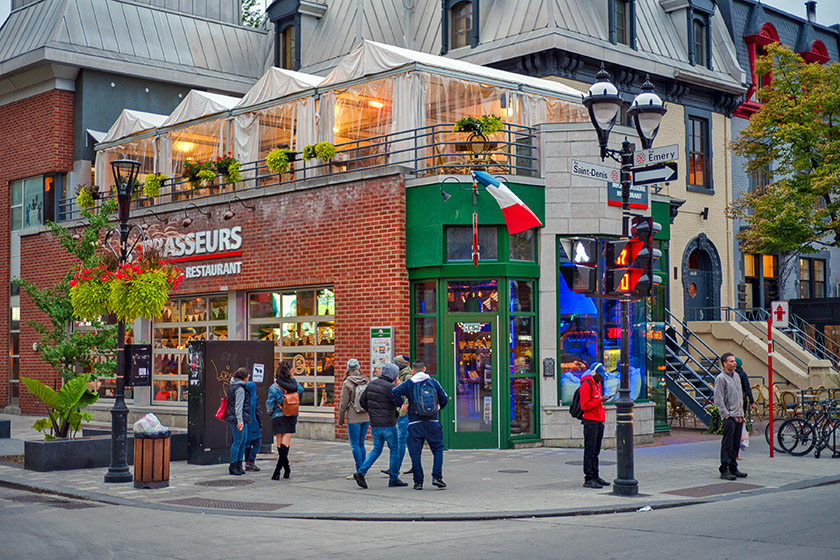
[125, 176]
[604, 104]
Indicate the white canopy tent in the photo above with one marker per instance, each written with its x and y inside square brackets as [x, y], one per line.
[130, 122]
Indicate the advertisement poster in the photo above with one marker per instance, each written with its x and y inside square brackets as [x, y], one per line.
[381, 346]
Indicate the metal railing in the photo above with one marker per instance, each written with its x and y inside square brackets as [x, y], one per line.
[425, 151]
[805, 335]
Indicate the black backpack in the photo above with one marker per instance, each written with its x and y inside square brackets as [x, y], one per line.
[575, 410]
[426, 403]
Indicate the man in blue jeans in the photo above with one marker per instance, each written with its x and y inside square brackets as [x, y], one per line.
[405, 374]
[425, 399]
[379, 402]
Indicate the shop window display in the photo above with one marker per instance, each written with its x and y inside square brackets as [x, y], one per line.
[301, 324]
[183, 320]
[522, 356]
[473, 296]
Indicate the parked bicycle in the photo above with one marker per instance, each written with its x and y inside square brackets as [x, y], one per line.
[817, 429]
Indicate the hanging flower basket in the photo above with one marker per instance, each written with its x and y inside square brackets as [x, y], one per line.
[198, 174]
[138, 292]
[151, 187]
[322, 150]
[89, 292]
[278, 160]
[228, 167]
[86, 196]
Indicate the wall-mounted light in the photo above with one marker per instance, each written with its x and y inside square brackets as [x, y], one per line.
[229, 214]
[187, 221]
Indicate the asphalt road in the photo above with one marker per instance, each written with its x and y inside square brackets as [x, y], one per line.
[782, 525]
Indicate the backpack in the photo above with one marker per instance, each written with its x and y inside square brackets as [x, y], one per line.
[575, 410]
[291, 402]
[426, 403]
[356, 400]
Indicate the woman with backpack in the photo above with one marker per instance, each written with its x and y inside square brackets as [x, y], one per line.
[284, 415]
[351, 407]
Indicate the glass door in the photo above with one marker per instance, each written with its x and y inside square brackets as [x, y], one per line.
[473, 375]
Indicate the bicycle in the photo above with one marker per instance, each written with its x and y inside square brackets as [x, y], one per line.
[820, 429]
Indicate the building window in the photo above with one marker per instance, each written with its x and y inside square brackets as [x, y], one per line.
[182, 320]
[424, 324]
[461, 18]
[523, 246]
[621, 13]
[27, 202]
[301, 324]
[459, 244]
[811, 278]
[699, 51]
[698, 152]
[523, 362]
[759, 179]
[287, 43]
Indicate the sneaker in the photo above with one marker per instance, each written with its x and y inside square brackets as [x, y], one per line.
[728, 476]
[739, 474]
[251, 467]
[592, 484]
[438, 482]
[418, 485]
[360, 479]
[397, 482]
[350, 476]
[601, 481]
[386, 472]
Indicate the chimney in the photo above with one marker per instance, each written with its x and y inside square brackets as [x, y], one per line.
[811, 11]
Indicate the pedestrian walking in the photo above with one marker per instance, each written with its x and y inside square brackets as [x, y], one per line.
[592, 404]
[283, 409]
[425, 400]
[350, 409]
[405, 374]
[253, 442]
[237, 416]
[379, 402]
[729, 400]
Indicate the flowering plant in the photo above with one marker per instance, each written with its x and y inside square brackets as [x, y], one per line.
[198, 174]
[86, 196]
[151, 187]
[89, 291]
[228, 167]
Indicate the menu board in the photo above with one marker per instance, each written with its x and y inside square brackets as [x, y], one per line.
[381, 346]
[138, 365]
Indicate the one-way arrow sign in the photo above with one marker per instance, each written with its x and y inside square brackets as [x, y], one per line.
[661, 173]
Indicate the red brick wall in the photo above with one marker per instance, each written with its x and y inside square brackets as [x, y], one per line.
[349, 235]
[37, 138]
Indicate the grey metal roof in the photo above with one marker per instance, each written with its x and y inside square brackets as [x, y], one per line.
[139, 40]
[522, 27]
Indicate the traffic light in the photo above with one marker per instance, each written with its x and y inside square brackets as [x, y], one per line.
[643, 229]
[620, 270]
[581, 270]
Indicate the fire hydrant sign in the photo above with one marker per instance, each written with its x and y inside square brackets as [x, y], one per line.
[779, 314]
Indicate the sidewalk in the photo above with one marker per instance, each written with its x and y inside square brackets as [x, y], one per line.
[482, 483]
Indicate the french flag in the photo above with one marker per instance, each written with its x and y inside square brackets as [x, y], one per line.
[518, 217]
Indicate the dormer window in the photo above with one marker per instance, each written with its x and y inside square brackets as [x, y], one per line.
[622, 22]
[459, 25]
[700, 44]
[287, 52]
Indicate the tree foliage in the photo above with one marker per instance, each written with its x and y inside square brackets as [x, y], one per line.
[252, 14]
[61, 346]
[795, 136]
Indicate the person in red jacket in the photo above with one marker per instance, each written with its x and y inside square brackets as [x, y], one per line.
[592, 403]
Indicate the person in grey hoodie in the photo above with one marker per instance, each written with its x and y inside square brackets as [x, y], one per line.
[730, 402]
[379, 403]
[350, 408]
[238, 414]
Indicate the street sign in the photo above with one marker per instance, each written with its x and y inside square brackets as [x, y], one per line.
[779, 314]
[656, 155]
[595, 171]
[660, 173]
[638, 196]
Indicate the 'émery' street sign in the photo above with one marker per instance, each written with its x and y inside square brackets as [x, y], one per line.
[659, 173]
[656, 155]
[595, 171]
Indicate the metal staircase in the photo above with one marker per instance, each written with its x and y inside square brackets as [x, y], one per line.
[690, 367]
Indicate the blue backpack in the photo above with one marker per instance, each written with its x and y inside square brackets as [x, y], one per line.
[426, 403]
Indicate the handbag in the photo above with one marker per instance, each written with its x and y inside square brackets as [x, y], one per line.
[222, 412]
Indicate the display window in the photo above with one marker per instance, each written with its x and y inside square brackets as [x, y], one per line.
[183, 320]
[301, 324]
[522, 357]
[424, 322]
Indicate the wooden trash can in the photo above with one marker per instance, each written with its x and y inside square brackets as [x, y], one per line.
[151, 461]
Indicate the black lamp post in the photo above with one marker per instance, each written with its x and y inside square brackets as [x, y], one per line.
[125, 175]
[604, 105]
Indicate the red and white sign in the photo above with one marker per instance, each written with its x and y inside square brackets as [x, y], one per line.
[779, 314]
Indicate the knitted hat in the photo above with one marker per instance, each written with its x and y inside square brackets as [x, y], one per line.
[401, 361]
[352, 364]
[738, 362]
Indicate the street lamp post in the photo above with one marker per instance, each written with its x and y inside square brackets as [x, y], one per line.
[125, 175]
[604, 104]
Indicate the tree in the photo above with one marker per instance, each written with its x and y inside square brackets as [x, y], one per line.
[796, 137]
[61, 346]
[252, 14]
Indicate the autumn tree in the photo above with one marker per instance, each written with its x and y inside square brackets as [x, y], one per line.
[795, 139]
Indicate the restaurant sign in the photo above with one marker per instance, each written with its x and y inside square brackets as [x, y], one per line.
[178, 247]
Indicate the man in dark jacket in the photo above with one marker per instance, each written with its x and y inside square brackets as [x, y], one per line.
[423, 427]
[745, 386]
[379, 403]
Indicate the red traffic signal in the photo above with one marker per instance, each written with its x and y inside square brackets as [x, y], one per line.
[621, 273]
[643, 229]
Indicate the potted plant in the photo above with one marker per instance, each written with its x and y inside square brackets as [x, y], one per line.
[198, 174]
[278, 160]
[228, 167]
[66, 404]
[86, 196]
[478, 128]
[141, 288]
[90, 289]
[152, 184]
[322, 150]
